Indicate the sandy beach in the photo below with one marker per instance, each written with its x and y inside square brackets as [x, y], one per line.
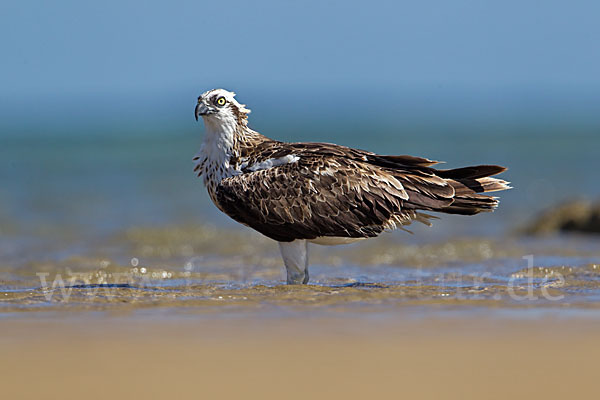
[114, 356]
[455, 319]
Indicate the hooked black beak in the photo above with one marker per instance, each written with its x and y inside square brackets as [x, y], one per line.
[203, 109]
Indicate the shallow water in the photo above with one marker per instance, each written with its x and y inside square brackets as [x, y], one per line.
[203, 269]
[125, 210]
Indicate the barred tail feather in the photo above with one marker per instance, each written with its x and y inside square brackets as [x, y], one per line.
[471, 205]
[468, 183]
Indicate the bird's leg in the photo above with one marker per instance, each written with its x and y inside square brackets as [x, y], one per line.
[295, 258]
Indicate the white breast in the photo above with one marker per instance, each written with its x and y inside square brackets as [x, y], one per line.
[215, 155]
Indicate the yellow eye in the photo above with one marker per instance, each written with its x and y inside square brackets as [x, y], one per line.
[221, 101]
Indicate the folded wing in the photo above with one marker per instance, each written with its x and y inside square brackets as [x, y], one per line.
[316, 196]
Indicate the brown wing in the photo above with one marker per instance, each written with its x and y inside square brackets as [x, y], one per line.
[313, 197]
[451, 191]
[343, 192]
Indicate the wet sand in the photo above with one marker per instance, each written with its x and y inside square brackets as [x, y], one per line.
[115, 356]
[179, 312]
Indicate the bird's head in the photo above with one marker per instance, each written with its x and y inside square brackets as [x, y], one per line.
[219, 107]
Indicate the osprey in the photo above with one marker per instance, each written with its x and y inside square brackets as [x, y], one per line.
[323, 193]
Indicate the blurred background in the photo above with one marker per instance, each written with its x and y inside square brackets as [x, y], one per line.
[167, 295]
[96, 102]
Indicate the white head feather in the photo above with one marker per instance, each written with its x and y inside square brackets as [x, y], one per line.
[230, 108]
[224, 118]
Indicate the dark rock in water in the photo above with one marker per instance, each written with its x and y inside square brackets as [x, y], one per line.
[574, 216]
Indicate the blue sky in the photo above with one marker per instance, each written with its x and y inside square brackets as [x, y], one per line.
[121, 51]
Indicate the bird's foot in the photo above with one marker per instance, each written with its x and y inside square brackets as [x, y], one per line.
[296, 277]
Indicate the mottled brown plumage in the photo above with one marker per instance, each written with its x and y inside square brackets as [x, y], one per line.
[342, 192]
[307, 191]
